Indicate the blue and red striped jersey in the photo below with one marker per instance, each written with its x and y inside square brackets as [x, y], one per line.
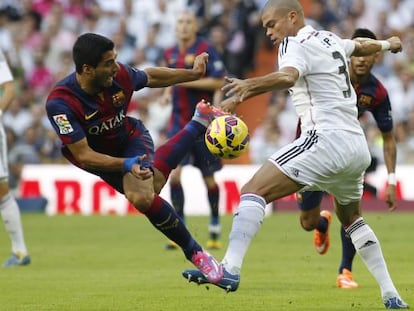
[101, 118]
[372, 96]
[185, 99]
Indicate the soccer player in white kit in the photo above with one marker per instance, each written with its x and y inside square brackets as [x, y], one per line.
[330, 155]
[9, 209]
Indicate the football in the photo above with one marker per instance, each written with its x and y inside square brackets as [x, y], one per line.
[227, 137]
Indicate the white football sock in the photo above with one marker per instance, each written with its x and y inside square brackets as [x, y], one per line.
[368, 247]
[11, 218]
[246, 223]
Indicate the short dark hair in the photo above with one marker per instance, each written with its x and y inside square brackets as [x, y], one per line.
[363, 33]
[89, 48]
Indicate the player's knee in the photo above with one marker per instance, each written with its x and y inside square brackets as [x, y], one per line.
[249, 188]
[158, 182]
[140, 200]
[309, 222]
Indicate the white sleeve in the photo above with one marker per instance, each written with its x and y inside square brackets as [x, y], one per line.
[349, 46]
[292, 54]
[5, 72]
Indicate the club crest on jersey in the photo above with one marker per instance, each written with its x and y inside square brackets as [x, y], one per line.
[118, 99]
[364, 100]
[63, 123]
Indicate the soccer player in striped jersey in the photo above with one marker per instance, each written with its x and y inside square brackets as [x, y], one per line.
[330, 155]
[9, 209]
[373, 97]
[184, 97]
[88, 110]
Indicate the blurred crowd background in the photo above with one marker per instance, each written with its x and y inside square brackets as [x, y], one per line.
[37, 38]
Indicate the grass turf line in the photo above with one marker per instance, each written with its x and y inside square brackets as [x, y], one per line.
[119, 263]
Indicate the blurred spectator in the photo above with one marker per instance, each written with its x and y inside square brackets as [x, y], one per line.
[148, 103]
[6, 43]
[401, 92]
[286, 116]
[124, 46]
[408, 148]
[65, 65]
[23, 152]
[14, 171]
[17, 117]
[74, 13]
[109, 13]
[265, 139]
[37, 37]
[153, 52]
[399, 16]
[43, 7]
[241, 22]
[164, 22]
[367, 12]
[40, 79]
[321, 16]
[30, 32]
[58, 38]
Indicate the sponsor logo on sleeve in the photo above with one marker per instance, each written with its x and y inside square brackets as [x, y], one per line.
[218, 65]
[63, 123]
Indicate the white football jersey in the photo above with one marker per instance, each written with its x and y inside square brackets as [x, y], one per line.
[5, 73]
[323, 95]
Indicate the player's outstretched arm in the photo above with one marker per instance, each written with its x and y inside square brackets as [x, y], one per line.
[89, 158]
[390, 156]
[239, 90]
[205, 84]
[164, 76]
[8, 95]
[367, 46]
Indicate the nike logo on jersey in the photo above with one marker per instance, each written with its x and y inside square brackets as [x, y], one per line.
[90, 116]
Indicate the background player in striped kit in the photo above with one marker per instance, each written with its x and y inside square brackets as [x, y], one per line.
[9, 209]
[184, 97]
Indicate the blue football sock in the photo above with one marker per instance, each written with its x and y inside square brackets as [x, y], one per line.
[177, 198]
[213, 198]
[322, 225]
[348, 251]
[163, 217]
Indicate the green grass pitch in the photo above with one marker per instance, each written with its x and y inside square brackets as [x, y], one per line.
[119, 263]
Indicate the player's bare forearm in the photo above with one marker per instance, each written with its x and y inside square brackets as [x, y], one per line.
[8, 95]
[205, 84]
[102, 162]
[390, 151]
[163, 76]
[367, 46]
[245, 89]
[390, 158]
[275, 81]
[87, 157]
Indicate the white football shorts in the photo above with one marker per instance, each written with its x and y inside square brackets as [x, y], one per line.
[330, 160]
